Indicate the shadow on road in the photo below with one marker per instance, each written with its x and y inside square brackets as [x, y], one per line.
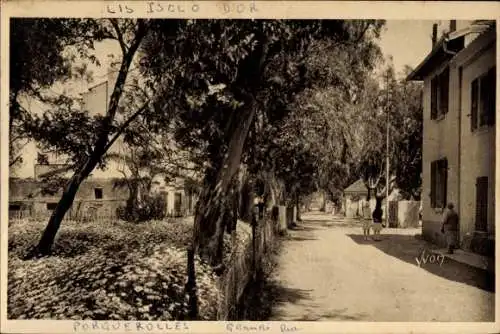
[333, 315]
[268, 295]
[408, 248]
[300, 238]
[272, 295]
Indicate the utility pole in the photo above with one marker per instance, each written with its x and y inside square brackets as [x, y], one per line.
[387, 152]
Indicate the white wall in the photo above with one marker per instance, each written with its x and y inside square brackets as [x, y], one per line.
[440, 140]
[478, 147]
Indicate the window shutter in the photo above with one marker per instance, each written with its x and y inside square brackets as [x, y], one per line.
[433, 184]
[474, 105]
[434, 97]
[481, 223]
[444, 84]
[444, 173]
[491, 96]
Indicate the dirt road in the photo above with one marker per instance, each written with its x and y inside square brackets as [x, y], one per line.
[326, 271]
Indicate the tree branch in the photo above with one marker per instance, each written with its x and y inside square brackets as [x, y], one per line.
[125, 125]
[16, 159]
[119, 35]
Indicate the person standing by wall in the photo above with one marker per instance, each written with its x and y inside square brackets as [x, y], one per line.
[450, 227]
[377, 219]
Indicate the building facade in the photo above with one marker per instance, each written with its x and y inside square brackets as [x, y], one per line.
[459, 107]
[98, 195]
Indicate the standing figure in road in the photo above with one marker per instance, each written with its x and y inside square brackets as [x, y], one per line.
[377, 219]
[366, 228]
[450, 227]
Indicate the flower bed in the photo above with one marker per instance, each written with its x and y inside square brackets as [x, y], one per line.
[107, 270]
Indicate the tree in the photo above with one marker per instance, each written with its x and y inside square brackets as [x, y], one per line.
[397, 106]
[408, 140]
[147, 157]
[71, 131]
[37, 62]
[315, 145]
[243, 74]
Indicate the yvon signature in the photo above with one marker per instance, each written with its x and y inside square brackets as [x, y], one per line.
[425, 258]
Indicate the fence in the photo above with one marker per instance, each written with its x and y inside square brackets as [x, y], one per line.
[81, 210]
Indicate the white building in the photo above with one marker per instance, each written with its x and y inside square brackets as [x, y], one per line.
[459, 76]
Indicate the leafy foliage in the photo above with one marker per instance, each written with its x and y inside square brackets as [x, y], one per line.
[107, 271]
[151, 207]
[398, 104]
[42, 53]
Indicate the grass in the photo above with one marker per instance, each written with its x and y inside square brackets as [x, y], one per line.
[107, 270]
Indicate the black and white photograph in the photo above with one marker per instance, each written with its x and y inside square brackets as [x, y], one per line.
[260, 173]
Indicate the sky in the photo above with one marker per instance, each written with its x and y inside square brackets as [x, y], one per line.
[408, 42]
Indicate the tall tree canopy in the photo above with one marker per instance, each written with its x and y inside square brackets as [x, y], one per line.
[243, 78]
[283, 98]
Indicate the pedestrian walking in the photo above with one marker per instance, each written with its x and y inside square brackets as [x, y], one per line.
[450, 227]
[377, 219]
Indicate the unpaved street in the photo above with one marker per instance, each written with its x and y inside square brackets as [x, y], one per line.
[326, 271]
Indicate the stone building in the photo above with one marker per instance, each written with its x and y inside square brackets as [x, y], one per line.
[98, 196]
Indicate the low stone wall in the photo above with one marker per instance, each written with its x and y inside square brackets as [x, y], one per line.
[245, 262]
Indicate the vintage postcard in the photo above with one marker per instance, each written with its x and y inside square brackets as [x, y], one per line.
[248, 166]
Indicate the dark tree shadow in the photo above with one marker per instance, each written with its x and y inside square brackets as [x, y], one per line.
[313, 224]
[264, 299]
[300, 238]
[408, 247]
[305, 226]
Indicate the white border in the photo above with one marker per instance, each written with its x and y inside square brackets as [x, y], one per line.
[389, 10]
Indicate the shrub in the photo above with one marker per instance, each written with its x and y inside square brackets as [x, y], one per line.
[150, 207]
[107, 270]
[112, 270]
[128, 286]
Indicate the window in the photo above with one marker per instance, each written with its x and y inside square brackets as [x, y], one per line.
[98, 193]
[42, 159]
[483, 92]
[440, 86]
[14, 207]
[481, 203]
[51, 206]
[439, 179]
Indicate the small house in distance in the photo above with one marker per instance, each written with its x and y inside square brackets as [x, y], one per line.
[354, 199]
[402, 213]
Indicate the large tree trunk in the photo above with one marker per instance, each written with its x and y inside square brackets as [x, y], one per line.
[47, 240]
[209, 222]
[208, 226]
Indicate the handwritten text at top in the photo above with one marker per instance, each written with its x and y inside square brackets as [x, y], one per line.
[159, 7]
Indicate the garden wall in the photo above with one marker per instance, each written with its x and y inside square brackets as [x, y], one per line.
[245, 262]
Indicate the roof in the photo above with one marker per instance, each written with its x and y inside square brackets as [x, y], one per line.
[437, 56]
[50, 170]
[454, 42]
[357, 187]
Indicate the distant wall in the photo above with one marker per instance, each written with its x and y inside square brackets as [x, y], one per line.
[96, 198]
[408, 213]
